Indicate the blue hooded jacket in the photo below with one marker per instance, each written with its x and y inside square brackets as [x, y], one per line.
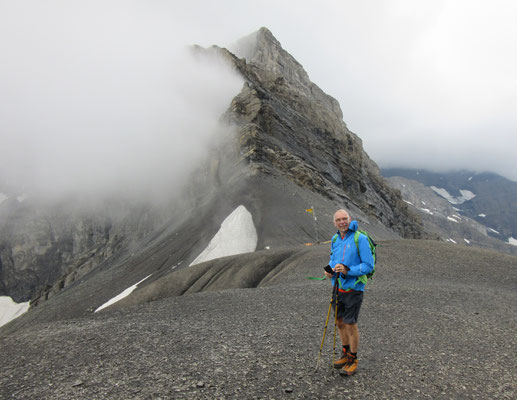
[344, 251]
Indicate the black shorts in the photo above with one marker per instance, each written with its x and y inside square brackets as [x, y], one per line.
[348, 306]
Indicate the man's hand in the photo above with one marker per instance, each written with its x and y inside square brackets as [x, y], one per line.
[341, 268]
[328, 274]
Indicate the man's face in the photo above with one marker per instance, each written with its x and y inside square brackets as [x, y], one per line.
[341, 221]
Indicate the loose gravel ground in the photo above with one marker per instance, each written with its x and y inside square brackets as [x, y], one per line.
[429, 329]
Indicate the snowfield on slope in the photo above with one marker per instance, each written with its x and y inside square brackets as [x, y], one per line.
[237, 235]
[10, 310]
[466, 195]
[121, 295]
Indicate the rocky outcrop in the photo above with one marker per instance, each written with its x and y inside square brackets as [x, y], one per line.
[289, 126]
[285, 149]
[44, 248]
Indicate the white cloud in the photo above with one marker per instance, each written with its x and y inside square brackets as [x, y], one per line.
[425, 84]
[104, 98]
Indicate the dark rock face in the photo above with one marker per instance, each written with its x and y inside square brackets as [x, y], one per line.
[44, 248]
[286, 149]
[289, 126]
[492, 208]
[443, 219]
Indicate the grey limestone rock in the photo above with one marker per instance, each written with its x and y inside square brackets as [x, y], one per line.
[287, 149]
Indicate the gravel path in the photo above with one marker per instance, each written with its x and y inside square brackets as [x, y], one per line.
[429, 330]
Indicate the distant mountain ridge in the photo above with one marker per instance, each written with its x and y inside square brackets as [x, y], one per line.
[487, 198]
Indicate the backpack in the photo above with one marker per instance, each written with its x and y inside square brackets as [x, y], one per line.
[373, 248]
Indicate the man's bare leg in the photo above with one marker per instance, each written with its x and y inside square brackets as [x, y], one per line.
[343, 332]
[350, 366]
[352, 334]
[345, 341]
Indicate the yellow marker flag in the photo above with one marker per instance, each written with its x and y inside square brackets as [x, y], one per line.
[309, 210]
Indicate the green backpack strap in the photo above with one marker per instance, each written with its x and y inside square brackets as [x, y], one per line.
[334, 238]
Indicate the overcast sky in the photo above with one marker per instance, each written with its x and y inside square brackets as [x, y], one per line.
[89, 85]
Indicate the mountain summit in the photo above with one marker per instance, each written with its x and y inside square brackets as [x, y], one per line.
[286, 149]
[289, 127]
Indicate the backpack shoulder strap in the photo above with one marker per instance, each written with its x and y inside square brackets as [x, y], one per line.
[356, 241]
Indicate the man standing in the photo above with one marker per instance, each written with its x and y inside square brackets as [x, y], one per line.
[349, 263]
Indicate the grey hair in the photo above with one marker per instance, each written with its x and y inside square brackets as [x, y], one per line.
[341, 210]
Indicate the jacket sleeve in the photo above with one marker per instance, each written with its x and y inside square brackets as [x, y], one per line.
[333, 279]
[365, 265]
[331, 254]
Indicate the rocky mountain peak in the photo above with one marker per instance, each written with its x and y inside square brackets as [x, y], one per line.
[263, 50]
[289, 127]
[287, 149]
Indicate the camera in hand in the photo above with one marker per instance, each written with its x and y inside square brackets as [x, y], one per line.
[329, 269]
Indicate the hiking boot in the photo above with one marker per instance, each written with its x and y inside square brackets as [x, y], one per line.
[342, 361]
[350, 367]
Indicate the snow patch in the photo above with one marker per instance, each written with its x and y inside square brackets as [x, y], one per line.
[125, 293]
[512, 241]
[237, 235]
[453, 220]
[493, 230]
[426, 210]
[465, 195]
[482, 215]
[405, 201]
[466, 241]
[10, 310]
[470, 179]
[451, 240]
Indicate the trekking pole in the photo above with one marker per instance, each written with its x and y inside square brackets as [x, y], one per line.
[326, 324]
[335, 328]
